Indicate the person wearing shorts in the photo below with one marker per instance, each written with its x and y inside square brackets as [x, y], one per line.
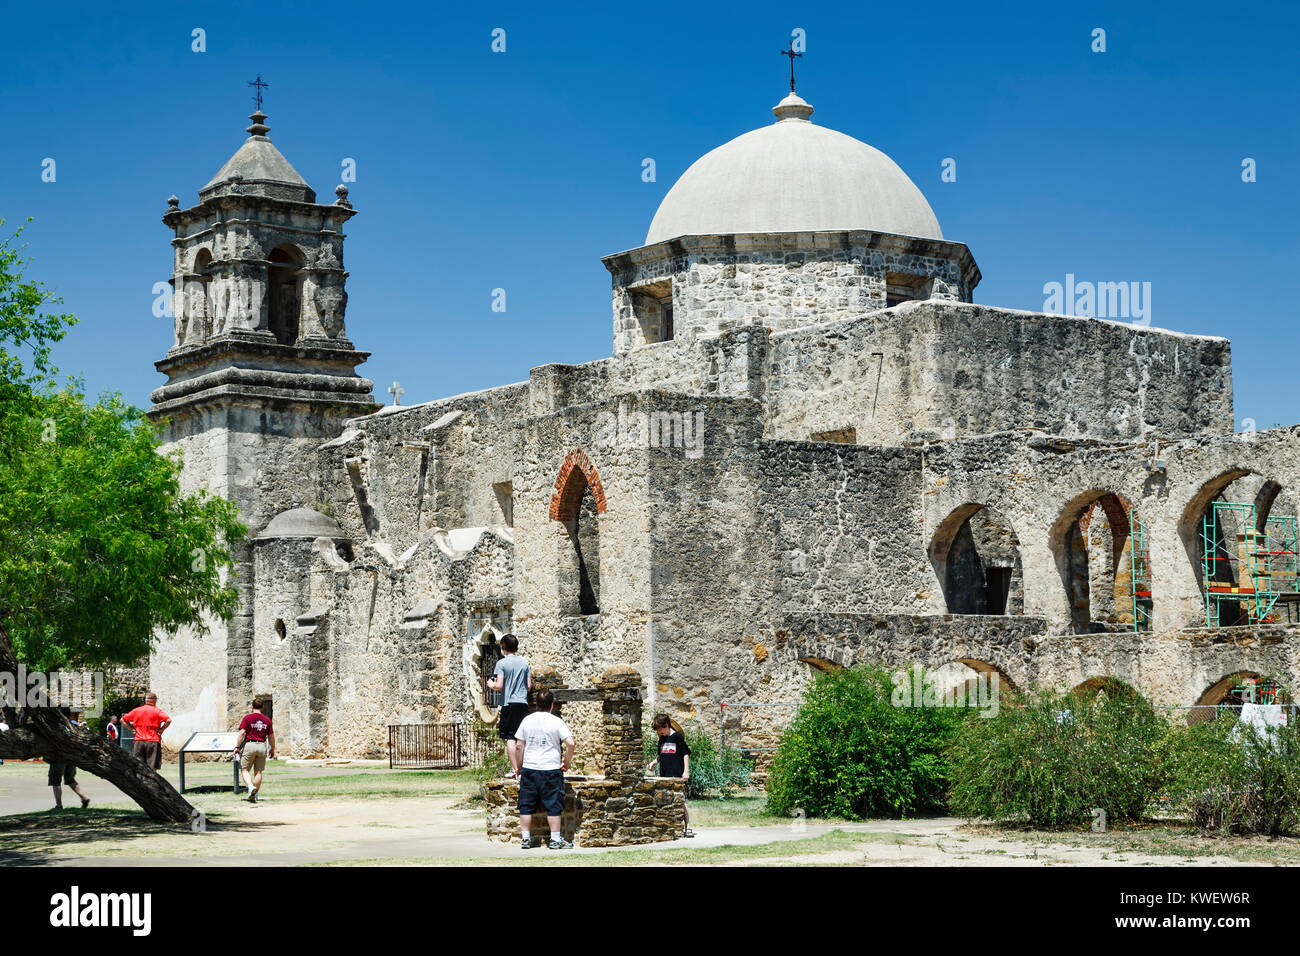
[255, 745]
[148, 722]
[547, 747]
[64, 774]
[513, 679]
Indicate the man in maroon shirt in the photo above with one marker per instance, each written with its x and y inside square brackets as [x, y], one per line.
[257, 741]
[148, 722]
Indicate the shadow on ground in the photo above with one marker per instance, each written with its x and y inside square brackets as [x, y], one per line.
[27, 839]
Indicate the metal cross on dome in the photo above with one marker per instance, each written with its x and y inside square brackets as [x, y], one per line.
[262, 86]
[791, 54]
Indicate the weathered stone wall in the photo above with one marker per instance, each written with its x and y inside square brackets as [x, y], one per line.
[935, 369]
[252, 456]
[949, 369]
[1041, 485]
[597, 812]
[1171, 667]
[779, 281]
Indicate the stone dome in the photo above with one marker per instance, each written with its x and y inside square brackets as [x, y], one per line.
[793, 176]
[302, 523]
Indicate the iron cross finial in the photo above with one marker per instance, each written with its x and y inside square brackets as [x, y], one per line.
[791, 54]
[262, 86]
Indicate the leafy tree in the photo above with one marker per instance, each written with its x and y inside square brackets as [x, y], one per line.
[99, 546]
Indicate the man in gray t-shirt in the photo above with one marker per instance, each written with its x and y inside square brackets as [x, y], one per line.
[512, 678]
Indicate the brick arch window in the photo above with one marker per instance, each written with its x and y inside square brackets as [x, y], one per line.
[577, 474]
[578, 502]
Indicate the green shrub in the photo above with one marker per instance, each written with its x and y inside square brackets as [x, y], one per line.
[491, 762]
[1230, 777]
[1053, 758]
[714, 772]
[849, 752]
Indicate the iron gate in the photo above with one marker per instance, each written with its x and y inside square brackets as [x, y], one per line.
[426, 746]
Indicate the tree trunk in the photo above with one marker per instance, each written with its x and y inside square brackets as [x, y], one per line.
[49, 734]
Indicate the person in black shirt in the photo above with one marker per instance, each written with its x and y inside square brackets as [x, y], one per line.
[674, 759]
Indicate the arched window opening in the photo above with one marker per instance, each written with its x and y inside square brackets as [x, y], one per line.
[284, 294]
[968, 682]
[1105, 562]
[976, 555]
[489, 653]
[1223, 700]
[1247, 551]
[577, 504]
[1112, 686]
[196, 295]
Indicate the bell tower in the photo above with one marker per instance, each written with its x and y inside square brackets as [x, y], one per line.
[260, 372]
[258, 282]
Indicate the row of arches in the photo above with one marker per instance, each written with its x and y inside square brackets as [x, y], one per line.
[1101, 548]
[1099, 542]
[968, 680]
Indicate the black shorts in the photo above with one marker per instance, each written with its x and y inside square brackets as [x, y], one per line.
[545, 787]
[62, 774]
[512, 715]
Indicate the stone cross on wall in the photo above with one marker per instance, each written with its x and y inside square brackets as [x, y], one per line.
[397, 392]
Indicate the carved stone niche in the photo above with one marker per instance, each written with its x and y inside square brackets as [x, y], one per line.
[329, 303]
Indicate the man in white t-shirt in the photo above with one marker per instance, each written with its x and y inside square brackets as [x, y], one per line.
[547, 749]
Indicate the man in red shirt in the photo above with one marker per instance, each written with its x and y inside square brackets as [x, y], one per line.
[257, 741]
[148, 722]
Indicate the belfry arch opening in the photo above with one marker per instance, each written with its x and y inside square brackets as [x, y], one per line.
[976, 556]
[196, 306]
[284, 294]
[577, 504]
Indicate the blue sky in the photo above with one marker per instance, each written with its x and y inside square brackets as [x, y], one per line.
[519, 170]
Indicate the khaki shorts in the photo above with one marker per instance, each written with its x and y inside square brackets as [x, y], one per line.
[253, 756]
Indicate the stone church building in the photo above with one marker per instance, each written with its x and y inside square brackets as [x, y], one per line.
[808, 448]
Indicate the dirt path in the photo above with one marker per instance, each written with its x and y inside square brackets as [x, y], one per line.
[415, 830]
[288, 830]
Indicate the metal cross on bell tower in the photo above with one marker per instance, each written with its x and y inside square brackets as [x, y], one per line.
[262, 86]
[791, 54]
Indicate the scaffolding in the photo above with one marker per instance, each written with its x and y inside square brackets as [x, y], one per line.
[1284, 566]
[1246, 570]
[1139, 573]
[1257, 690]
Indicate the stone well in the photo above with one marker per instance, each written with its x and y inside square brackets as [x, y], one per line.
[623, 807]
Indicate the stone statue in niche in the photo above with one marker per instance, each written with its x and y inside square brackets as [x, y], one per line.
[331, 302]
[180, 313]
[250, 248]
[327, 256]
